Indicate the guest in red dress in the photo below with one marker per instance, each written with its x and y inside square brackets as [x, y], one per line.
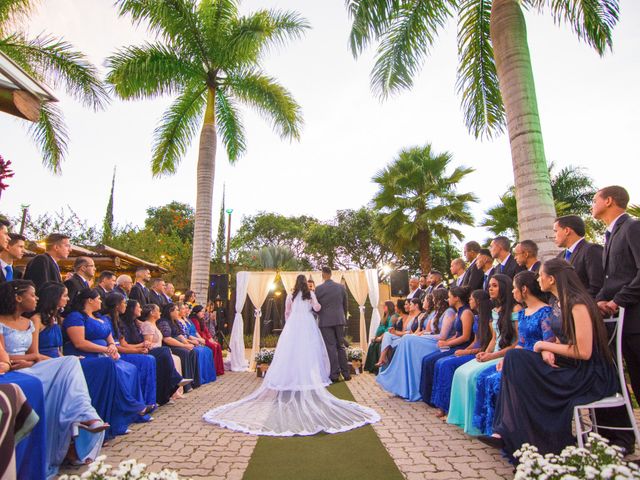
[197, 318]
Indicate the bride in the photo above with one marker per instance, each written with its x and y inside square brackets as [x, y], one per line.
[292, 399]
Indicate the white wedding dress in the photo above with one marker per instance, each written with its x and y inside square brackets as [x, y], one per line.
[292, 399]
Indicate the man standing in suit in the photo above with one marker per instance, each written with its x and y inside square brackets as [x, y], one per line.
[156, 293]
[500, 249]
[139, 291]
[106, 283]
[457, 269]
[473, 276]
[332, 319]
[84, 269]
[414, 288]
[123, 286]
[435, 281]
[4, 233]
[14, 251]
[484, 263]
[585, 257]
[169, 292]
[526, 255]
[44, 267]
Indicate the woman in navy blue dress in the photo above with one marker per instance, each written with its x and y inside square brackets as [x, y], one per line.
[89, 335]
[172, 338]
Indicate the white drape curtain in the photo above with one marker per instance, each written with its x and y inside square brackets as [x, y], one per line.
[259, 284]
[289, 280]
[357, 284]
[236, 343]
[371, 275]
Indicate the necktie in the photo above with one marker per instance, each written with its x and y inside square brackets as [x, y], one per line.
[607, 237]
[501, 268]
[484, 282]
[567, 255]
[9, 273]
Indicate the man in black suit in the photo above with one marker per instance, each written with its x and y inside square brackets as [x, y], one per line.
[435, 281]
[4, 233]
[526, 255]
[473, 276]
[14, 251]
[84, 270]
[457, 269]
[484, 263]
[139, 291]
[620, 288]
[123, 285]
[156, 292]
[585, 257]
[106, 283]
[44, 267]
[500, 249]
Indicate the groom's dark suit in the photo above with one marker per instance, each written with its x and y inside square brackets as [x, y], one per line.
[332, 297]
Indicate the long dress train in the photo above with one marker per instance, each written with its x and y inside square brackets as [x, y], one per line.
[292, 399]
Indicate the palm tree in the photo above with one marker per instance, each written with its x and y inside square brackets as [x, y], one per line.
[274, 257]
[572, 190]
[418, 201]
[495, 77]
[55, 62]
[208, 56]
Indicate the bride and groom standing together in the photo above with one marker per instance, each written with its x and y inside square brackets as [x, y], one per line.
[292, 399]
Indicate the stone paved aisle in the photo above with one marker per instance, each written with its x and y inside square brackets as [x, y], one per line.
[421, 445]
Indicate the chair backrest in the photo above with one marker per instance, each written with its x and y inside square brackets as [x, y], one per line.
[615, 343]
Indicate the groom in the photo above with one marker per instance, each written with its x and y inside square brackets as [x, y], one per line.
[331, 319]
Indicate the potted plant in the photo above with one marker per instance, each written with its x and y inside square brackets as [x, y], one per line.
[263, 359]
[354, 356]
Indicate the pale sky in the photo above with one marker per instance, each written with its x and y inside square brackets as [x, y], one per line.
[588, 106]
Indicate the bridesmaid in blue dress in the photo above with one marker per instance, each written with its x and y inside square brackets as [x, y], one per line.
[541, 387]
[410, 310]
[206, 363]
[68, 409]
[458, 299]
[89, 336]
[481, 305]
[504, 335]
[402, 375]
[114, 306]
[534, 324]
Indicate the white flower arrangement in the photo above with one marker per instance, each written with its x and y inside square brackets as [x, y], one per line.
[598, 460]
[354, 353]
[264, 356]
[127, 470]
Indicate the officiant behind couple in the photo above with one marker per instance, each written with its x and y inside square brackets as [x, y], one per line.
[292, 399]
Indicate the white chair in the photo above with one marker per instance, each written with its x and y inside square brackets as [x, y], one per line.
[617, 400]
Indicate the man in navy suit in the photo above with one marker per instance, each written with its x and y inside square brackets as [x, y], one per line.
[473, 276]
[44, 267]
[500, 249]
[526, 255]
[14, 251]
[4, 233]
[585, 257]
[484, 263]
[156, 293]
[139, 291]
[123, 285]
[84, 269]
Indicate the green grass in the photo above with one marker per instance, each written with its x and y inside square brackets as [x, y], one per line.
[350, 455]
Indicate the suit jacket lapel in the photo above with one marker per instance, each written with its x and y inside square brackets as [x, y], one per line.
[576, 251]
[616, 229]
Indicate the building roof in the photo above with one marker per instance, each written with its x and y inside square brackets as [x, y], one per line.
[13, 77]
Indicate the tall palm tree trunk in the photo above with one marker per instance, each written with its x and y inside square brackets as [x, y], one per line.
[536, 211]
[424, 250]
[201, 257]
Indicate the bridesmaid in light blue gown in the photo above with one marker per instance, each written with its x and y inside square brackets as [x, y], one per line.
[68, 409]
[504, 337]
[402, 375]
[403, 326]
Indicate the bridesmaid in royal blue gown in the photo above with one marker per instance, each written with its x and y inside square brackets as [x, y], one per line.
[445, 368]
[90, 336]
[534, 324]
[68, 409]
[113, 307]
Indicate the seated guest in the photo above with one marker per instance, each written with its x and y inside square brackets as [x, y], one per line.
[457, 269]
[504, 334]
[67, 402]
[500, 249]
[197, 317]
[402, 375]
[373, 352]
[106, 283]
[172, 337]
[526, 255]
[472, 278]
[428, 313]
[481, 306]
[88, 335]
[534, 324]
[14, 251]
[585, 257]
[44, 267]
[168, 380]
[541, 387]
[136, 354]
[392, 337]
[123, 286]
[441, 321]
[463, 330]
[190, 298]
[206, 363]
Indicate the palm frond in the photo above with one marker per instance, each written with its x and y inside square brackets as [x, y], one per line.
[54, 61]
[50, 133]
[215, 18]
[13, 12]
[271, 99]
[477, 79]
[370, 20]
[230, 126]
[177, 127]
[591, 20]
[405, 44]
[150, 70]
